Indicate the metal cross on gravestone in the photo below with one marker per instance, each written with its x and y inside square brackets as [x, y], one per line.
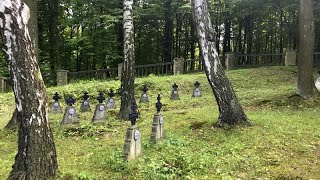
[111, 94]
[101, 97]
[56, 96]
[134, 114]
[175, 87]
[158, 104]
[144, 89]
[70, 101]
[85, 96]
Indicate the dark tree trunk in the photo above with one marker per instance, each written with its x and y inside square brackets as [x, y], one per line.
[53, 15]
[192, 42]
[227, 33]
[36, 157]
[306, 49]
[168, 30]
[128, 72]
[230, 110]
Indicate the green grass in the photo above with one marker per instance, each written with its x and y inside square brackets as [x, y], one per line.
[283, 143]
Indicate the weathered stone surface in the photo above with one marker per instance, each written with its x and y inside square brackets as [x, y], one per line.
[56, 108]
[62, 77]
[70, 116]
[111, 103]
[157, 131]
[196, 92]
[144, 98]
[85, 106]
[132, 145]
[229, 61]
[100, 114]
[291, 58]
[178, 64]
[174, 95]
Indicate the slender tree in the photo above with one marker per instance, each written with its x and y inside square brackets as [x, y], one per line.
[36, 157]
[128, 73]
[306, 49]
[230, 110]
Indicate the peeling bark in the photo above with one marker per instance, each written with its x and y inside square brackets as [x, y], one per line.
[230, 110]
[36, 157]
[128, 73]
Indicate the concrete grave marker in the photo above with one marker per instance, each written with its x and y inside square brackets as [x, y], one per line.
[144, 96]
[132, 144]
[70, 115]
[56, 108]
[175, 93]
[111, 103]
[196, 91]
[85, 106]
[100, 114]
[157, 130]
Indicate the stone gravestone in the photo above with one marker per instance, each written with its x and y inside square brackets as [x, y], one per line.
[111, 103]
[196, 91]
[144, 96]
[70, 115]
[157, 132]
[85, 106]
[175, 93]
[100, 114]
[56, 105]
[132, 144]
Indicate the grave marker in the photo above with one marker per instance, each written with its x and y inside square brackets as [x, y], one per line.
[157, 132]
[132, 145]
[70, 115]
[100, 114]
[196, 91]
[56, 108]
[175, 93]
[85, 106]
[144, 96]
[111, 103]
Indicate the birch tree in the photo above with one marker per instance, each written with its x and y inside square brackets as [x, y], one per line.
[128, 74]
[36, 157]
[230, 110]
[306, 49]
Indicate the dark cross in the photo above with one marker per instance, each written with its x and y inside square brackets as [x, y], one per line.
[144, 89]
[101, 98]
[70, 101]
[56, 96]
[196, 84]
[85, 96]
[158, 104]
[175, 86]
[111, 94]
[134, 114]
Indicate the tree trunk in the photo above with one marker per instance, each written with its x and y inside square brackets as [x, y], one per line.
[128, 73]
[230, 110]
[306, 49]
[36, 157]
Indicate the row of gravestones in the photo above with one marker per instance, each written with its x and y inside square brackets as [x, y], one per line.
[100, 114]
[132, 145]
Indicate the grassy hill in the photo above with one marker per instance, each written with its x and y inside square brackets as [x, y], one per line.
[283, 143]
